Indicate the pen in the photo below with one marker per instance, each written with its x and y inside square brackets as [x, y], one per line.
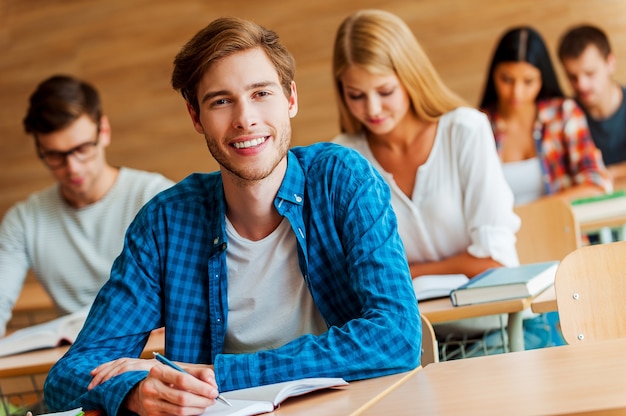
[164, 360]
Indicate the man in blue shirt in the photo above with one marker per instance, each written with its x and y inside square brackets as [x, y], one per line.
[285, 264]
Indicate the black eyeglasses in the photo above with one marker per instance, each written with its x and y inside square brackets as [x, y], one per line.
[83, 152]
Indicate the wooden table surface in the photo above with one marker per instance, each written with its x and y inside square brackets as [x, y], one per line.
[545, 302]
[33, 298]
[41, 361]
[442, 310]
[347, 400]
[588, 378]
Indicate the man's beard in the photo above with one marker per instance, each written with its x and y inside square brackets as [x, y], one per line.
[251, 175]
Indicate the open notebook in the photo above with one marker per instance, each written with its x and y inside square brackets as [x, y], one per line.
[73, 412]
[263, 399]
[434, 286]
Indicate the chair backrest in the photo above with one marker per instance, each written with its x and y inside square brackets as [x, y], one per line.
[430, 349]
[590, 286]
[549, 231]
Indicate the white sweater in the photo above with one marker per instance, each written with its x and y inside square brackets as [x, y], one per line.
[70, 250]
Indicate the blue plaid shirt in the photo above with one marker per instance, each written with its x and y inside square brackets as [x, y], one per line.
[172, 272]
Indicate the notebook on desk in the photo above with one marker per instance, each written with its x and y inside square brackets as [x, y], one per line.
[435, 286]
[264, 399]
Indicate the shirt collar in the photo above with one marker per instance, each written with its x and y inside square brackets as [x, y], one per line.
[292, 188]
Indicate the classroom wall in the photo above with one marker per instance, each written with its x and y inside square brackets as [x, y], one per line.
[126, 47]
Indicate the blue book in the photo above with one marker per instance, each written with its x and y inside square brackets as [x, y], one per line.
[503, 283]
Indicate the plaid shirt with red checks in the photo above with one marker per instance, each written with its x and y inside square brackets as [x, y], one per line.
[564, 144]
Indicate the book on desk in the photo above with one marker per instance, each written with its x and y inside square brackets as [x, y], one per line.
[599, 207]
[59, 331]
[433, 286]
[73, 412]
[503, 283]
[263, 399]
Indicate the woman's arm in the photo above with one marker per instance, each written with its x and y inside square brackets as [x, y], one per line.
[463, 263]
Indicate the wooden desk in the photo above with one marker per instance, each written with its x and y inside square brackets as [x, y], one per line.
[442, 310]
[41, 361]
[545, 302]
[616, 221]
[573, 379]
[602, 216]
[348, 400]
[33, 298]
[611, 219]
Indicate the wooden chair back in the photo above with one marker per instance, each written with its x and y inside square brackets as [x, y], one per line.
[549, 231]
[590, 286]
[430, 348]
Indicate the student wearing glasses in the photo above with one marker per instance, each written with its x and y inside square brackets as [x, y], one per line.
[70, 233]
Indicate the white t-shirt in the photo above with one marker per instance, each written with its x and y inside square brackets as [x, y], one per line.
[525, 179]
[461, 201]
[269, 303]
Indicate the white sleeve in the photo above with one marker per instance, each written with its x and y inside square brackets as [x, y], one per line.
[488, 199]
[14, 262]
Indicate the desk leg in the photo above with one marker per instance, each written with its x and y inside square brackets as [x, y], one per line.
[606, 235]
[515, 330]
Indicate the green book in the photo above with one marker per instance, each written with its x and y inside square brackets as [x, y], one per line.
[597, 198]
[600, 208]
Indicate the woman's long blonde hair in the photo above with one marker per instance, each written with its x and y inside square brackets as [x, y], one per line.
[382, 43]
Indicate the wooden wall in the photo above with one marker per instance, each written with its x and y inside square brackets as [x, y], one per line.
[125, 47]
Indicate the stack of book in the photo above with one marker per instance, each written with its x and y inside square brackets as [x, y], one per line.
[599, 208]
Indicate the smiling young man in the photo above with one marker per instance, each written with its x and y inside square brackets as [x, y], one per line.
[285, 264]
[70, 233]
[586, 56]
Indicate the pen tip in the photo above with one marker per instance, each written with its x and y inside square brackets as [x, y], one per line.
[223, 400]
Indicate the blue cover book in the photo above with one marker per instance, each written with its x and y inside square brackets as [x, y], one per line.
[502, 283]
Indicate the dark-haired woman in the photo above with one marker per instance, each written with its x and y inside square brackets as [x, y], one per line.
[542, 138]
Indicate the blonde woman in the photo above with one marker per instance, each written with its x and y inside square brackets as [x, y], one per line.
[454, 207]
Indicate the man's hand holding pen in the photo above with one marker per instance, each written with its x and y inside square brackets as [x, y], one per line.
[166, 390]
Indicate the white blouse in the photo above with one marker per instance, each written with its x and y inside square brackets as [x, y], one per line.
[461, 200]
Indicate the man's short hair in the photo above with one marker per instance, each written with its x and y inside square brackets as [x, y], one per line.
[221, 38]
[58, 101]
[575, 41]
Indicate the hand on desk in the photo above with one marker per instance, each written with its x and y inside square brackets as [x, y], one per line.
[165, 390]
[113, 368]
